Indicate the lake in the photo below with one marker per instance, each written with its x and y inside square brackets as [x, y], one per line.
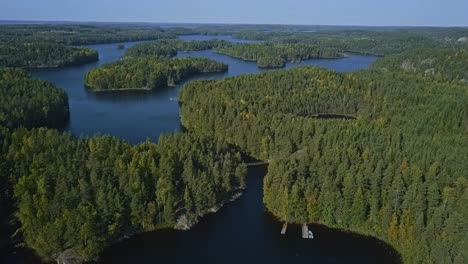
[139, 115]
[242, 230]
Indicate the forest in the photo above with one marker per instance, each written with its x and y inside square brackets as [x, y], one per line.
[41, 55]
[394, 169]
[374, 41]
[437, 64]
[85, 193]
[396, 172]
[170, 47]
[28, 102]
[38, 46]
[83, 34]
[148, 72]
[272, 55]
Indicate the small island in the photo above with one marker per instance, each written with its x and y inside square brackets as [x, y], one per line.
[170, 47]
[148, 73]
[274, 55]
[44, 55]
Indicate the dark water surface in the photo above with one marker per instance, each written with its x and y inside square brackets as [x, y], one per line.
[240, 232]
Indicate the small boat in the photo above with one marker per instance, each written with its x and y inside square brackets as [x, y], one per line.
[173, 99]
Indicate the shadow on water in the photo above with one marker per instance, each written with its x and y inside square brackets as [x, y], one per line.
[243, 231]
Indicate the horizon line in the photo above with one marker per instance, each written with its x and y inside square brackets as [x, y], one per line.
[33, 21]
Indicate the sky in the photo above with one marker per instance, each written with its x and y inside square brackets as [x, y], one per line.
[304, 12]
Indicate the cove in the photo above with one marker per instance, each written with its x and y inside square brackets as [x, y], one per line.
[242, 230]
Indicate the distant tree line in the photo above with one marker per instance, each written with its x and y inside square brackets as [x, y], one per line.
[33, 46]
[369, 40]
[41, 55]
[84, 34]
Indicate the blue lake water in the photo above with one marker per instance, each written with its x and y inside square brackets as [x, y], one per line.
[140, 115]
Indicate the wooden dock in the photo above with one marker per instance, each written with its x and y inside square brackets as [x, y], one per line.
[283, 230]
[305, 231]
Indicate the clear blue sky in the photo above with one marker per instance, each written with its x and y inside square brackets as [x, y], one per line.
[329, 12]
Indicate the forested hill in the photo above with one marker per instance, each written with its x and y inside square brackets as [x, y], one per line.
[148, 72]
[41, 55]
[170, 47]
[84, 194]
[269, 55]
[28, 102]
[397, 172]
[449, 64]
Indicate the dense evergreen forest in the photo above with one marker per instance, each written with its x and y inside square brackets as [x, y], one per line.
[86, 193]
[32, 46]
[269, 55]
[83, 34]
[437, 64]
[82, 194]
[170, 47]
[378, 42]
[28, 102]
[397, 171]
[393, 167]
[148, 72]
[40, 55]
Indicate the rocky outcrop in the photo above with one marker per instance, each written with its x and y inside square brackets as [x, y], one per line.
[69, 256]
[429, 72]
[407, 65]
[428, 61]
[185, 223]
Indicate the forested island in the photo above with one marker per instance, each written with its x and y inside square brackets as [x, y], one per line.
[367, 175]
[170, 47]
[42, 55]
[268, 55]
[148, 73]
